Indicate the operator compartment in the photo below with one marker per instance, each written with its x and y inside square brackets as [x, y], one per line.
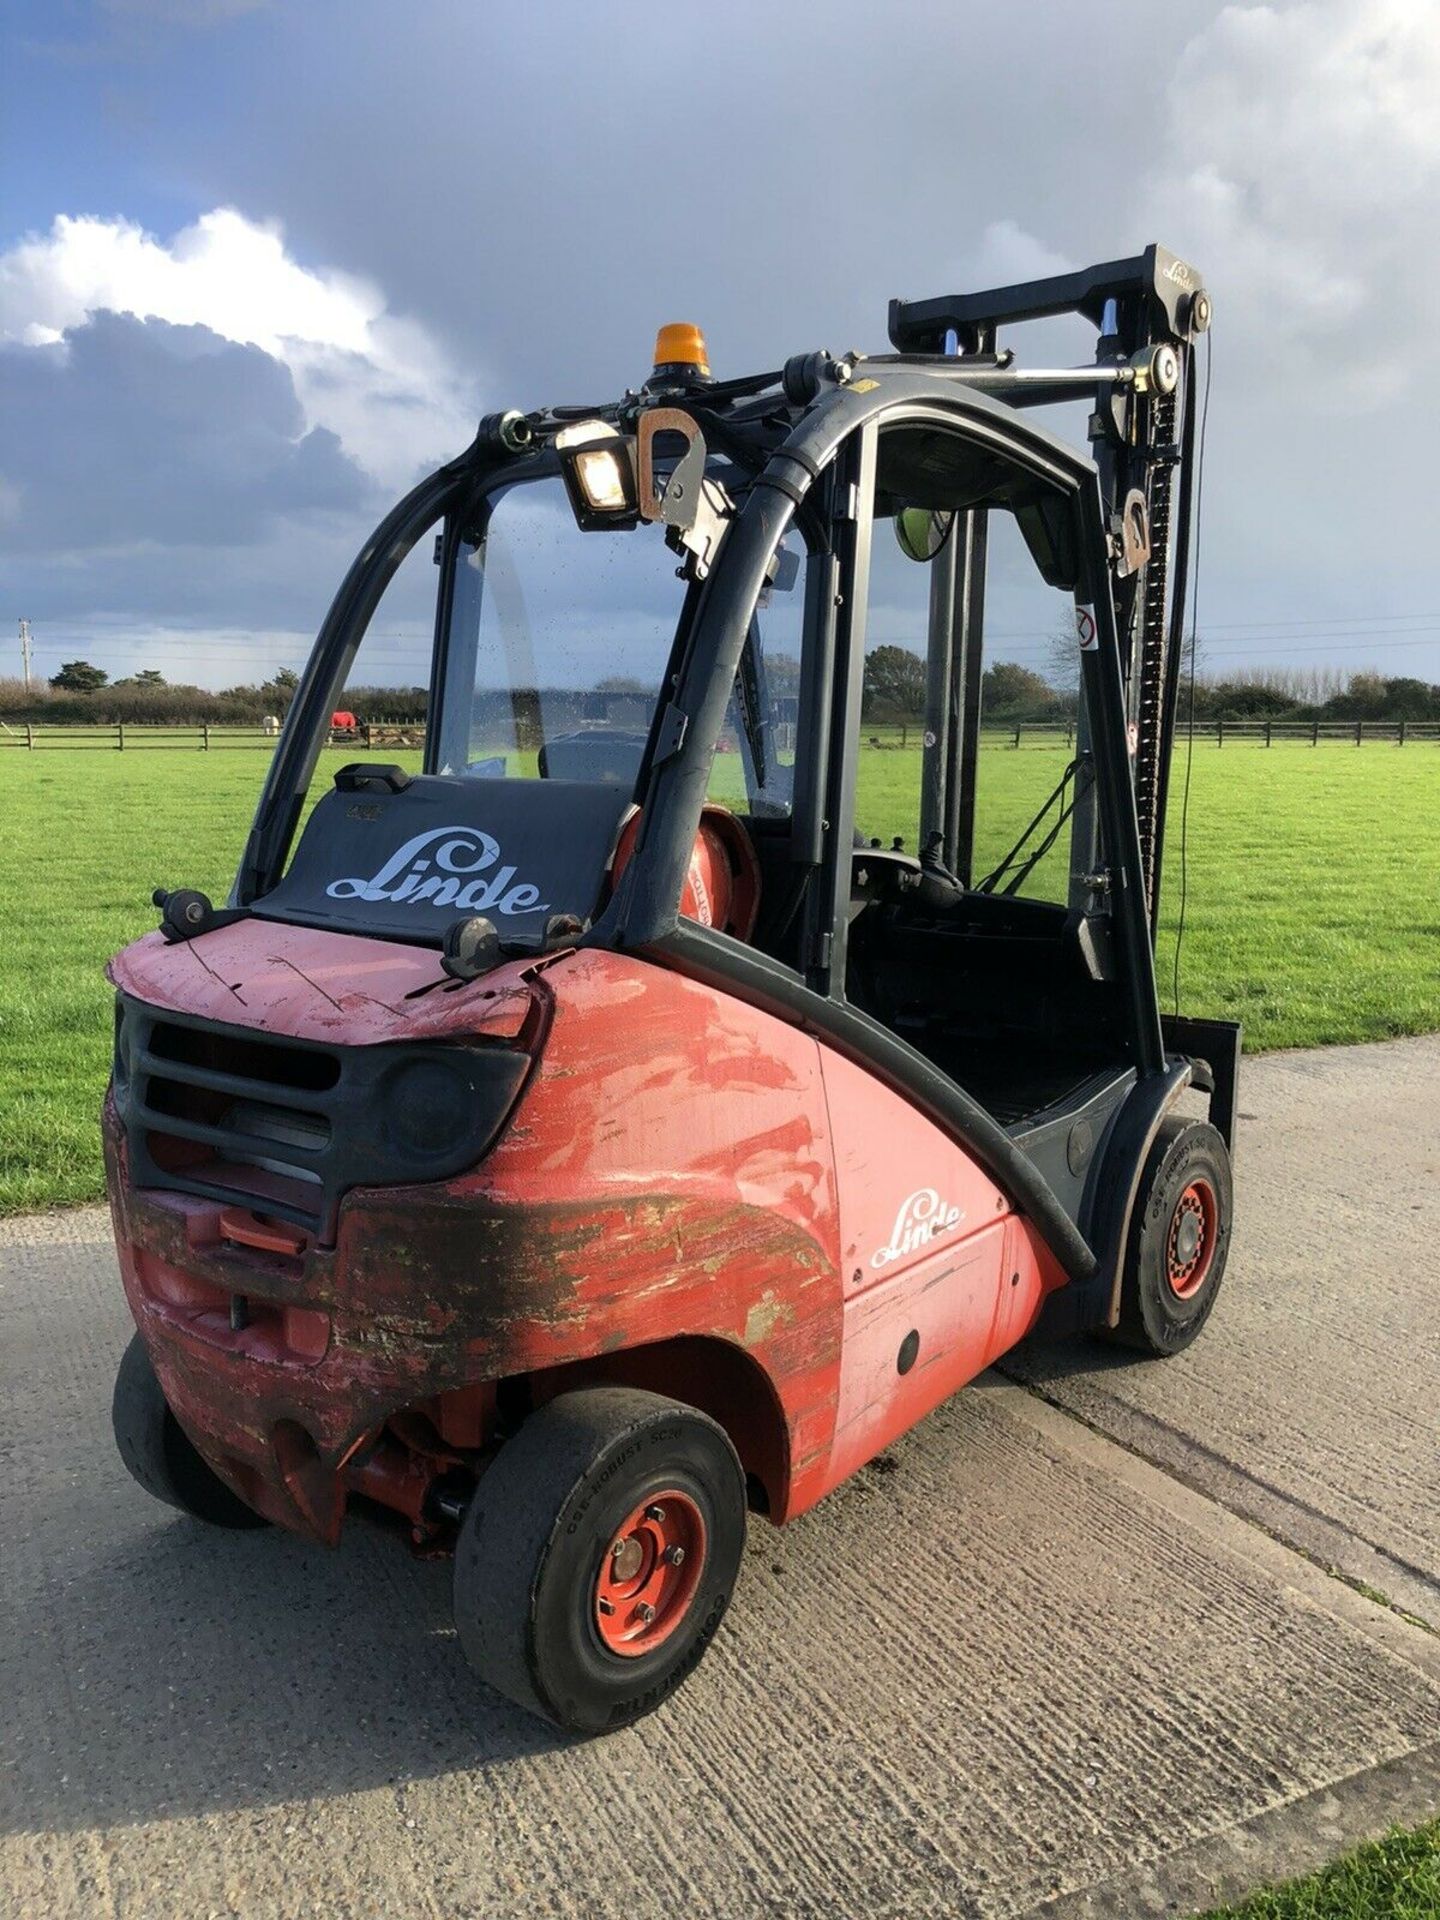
[1008, 996]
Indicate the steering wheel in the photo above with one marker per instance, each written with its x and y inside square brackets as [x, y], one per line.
[881, 874]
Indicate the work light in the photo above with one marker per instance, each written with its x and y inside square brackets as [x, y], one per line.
[599, 473]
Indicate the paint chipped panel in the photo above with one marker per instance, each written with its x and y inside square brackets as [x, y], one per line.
[307, 984]
[668, 1174]
[655, 1080]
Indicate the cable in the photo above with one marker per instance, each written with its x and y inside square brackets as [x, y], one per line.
[992, 879]
[1194, 629]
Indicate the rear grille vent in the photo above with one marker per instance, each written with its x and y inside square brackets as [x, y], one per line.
[285, 1127]
[275, 1061]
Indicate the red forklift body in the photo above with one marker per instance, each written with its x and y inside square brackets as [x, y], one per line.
[807, 1223]
[601, 1131]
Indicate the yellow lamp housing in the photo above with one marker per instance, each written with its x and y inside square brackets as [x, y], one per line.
[597, 463]
[680, 349]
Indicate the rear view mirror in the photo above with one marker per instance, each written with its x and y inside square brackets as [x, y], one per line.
[922, 531]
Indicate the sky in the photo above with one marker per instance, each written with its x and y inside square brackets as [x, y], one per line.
[261, 265]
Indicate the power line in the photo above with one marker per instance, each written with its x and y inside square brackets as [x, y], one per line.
[240, 651]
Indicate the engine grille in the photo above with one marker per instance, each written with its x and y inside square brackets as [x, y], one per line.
[287, 1126]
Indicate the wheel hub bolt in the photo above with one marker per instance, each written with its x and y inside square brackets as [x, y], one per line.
[675, 1555]
[627, 1556]
[657, 1514]
[647, 1613]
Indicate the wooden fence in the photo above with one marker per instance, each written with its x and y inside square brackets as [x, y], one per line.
[125, 737]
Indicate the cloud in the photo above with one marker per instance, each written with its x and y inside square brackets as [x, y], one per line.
[156, 477]
[137, 430]
[1306, 170]
[184, 13]
[1288, 149]
[375, 380]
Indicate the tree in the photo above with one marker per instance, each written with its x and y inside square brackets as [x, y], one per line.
[1363, 699]
[150, 677]
[78, 676]
[279, 689]
[1408, 699]
[1062, 659]
[894, 682]
[1007, 687]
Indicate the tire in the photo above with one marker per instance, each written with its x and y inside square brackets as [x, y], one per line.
[159, 1456]
[562, 1527]
[1179, 1240]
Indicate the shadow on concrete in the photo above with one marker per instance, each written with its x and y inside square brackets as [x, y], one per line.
[207, 1671]
[1038, 1361]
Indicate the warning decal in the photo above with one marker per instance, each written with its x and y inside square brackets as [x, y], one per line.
[1085, 629]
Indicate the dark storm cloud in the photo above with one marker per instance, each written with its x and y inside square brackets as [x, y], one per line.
[773, 172]
[138, 431]
[537, 188]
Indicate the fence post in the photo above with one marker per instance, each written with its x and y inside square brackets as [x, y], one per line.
[1401, 741]
[120, 736]
[204, 736]
[1314, 733]
[29, 736]
[1017, 736]
[1267, 733]
[1359, 727]
[1219, 733]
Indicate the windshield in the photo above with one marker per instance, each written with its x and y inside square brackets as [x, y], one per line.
[558, 643]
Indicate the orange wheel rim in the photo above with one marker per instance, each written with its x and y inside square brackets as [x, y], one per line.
[1190, 1243]
[649, 1573]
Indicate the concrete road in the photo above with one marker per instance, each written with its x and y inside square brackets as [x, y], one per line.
[1028, 1663]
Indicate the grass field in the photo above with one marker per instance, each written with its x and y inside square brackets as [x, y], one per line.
[1397, 1878]
[1313, 911]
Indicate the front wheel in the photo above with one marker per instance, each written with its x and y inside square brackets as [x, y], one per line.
[598, 1555]
[1179, 1237]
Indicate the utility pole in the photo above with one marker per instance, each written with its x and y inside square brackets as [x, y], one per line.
[25, 650]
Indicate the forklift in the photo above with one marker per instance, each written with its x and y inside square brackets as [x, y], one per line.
[566, 1150]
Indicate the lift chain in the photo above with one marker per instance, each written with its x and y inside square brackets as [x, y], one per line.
[1150, 678]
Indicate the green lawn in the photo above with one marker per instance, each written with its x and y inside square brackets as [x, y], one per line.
[1397, 1878]
[1313, 900]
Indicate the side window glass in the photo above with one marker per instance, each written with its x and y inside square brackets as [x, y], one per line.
[753, 769]
[926, 480]
[382, 712]
[1027, 716]
[892, 713]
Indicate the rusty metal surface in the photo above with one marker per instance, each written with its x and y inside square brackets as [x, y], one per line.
[319, 986]
[669, 1175]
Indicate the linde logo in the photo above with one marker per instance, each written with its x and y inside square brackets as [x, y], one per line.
[434, 866]
[922, 1217]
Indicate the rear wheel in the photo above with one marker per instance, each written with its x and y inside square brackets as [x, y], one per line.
[155, 1448]
[598, 1555]
[1179, 1238]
